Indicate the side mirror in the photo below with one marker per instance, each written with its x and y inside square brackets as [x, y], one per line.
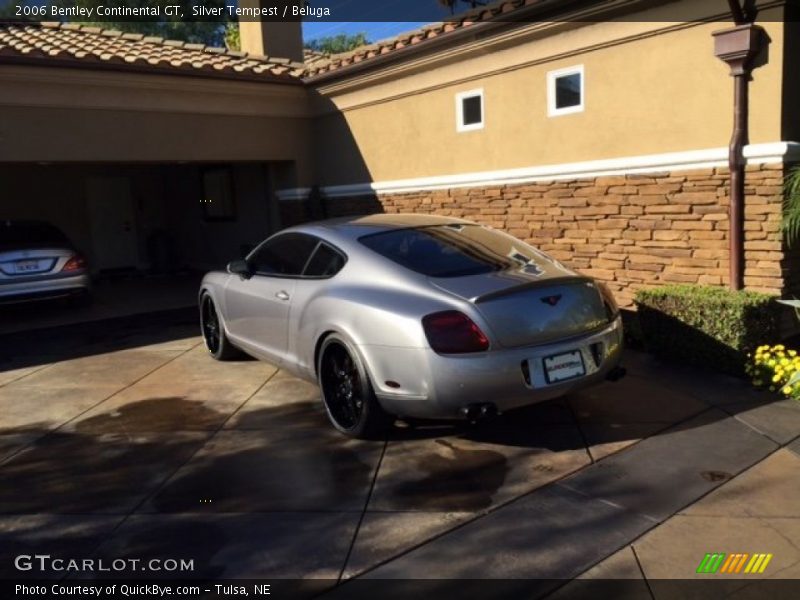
[240, 268]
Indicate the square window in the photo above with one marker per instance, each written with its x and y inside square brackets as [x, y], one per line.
[472, 110]
[565, 91]
[469, 110]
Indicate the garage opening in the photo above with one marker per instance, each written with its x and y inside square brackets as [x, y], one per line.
[148, 231]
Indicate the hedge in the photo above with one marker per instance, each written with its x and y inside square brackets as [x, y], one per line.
[709, 326]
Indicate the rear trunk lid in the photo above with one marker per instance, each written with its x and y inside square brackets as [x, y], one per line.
[31, 261]
[525, 309]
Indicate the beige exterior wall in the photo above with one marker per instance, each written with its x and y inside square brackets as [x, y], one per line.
[650, 88]
[791, 91]
[71, 115]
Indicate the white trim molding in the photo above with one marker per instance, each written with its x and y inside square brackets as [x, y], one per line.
[293, 193]
[460, 97]
[552, 79]
[756, 154]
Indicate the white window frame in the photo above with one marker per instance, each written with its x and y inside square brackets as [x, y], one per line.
[552, 76]
[460, 97]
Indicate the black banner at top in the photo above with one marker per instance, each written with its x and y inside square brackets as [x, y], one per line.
[110, 11]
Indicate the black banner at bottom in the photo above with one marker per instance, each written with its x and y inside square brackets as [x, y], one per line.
[412, 589]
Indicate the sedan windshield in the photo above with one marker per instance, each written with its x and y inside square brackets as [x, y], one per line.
[454, 250]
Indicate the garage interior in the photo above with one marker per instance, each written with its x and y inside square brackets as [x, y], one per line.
[148, 231]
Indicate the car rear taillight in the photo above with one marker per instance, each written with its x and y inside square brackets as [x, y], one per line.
[76, 263]
[452, 332]
[610, 304]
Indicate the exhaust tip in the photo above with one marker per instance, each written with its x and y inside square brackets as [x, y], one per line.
[479, 412]
[616, 374]
[488, 411]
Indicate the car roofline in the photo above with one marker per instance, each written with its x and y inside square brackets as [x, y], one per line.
[354, 227]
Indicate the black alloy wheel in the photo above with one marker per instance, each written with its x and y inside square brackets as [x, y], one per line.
[211, 327]
[347, 393]
[341, 387]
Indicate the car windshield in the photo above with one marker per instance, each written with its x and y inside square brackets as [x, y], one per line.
[15, 234]
[454, 250]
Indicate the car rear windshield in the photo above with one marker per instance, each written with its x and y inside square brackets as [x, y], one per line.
[451, 250]
[15, 234]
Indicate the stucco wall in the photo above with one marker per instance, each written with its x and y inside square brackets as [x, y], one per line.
[791, 92]
[650, 88]
[66, 134]
[73, 115]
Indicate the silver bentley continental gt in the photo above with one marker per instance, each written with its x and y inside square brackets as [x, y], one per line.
[413, 316]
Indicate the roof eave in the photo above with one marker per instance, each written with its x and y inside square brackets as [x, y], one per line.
[542, 10]
[405, 53]
[40, 61]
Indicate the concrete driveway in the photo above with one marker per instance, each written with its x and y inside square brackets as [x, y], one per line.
[127, 440]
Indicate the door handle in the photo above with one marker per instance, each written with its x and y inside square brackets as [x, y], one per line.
[282, 295]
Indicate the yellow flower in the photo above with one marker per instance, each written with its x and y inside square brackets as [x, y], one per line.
[776, 378]
[787, 390]
[792, 353]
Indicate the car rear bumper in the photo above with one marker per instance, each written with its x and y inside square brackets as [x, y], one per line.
[44, 288]
[432, 385]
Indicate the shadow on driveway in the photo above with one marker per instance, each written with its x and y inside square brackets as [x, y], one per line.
[264, 487]
[32, 348]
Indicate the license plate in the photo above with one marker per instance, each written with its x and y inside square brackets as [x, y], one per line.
[561, 367]
[26, 266]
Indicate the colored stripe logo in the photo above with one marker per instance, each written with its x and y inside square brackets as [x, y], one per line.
[731, 564]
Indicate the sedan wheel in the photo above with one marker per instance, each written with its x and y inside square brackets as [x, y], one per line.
[216, 341]
[347, 392]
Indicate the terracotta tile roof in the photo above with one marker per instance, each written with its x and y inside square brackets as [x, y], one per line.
[492, 12]
[75, 45]
[313, 58]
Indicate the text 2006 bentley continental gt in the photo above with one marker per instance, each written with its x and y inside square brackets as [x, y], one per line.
[413, 315]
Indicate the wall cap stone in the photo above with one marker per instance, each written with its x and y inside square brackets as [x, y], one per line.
[756, 154]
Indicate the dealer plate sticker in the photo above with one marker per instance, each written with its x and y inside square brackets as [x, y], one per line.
[560, 367]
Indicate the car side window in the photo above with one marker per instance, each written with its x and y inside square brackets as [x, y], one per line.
[283, 255]
[325, 262]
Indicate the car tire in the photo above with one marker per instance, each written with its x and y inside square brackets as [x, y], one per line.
[347, 392]
[213, 331]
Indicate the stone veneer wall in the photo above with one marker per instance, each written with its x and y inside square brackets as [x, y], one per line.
[629, 231]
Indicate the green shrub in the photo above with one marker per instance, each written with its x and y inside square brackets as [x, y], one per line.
[708, 326]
